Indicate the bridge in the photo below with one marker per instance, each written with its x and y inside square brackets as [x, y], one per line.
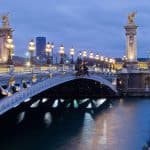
[9, 102]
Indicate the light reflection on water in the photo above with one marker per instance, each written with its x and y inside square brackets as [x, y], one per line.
[124, 126]
[47, 119]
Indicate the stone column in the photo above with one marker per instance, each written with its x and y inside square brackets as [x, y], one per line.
[4, 33]
[131, 44]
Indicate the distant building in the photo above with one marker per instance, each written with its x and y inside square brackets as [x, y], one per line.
[40, 46]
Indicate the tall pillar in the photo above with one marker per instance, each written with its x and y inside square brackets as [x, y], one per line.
[131, 44]
[5, 31]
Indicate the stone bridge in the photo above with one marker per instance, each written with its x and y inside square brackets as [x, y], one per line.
[17, 98]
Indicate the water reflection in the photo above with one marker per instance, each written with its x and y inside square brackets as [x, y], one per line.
[47, 119]
[44, 100]
[21, 117]
[126, 126]
[35, 104]
[55, 104]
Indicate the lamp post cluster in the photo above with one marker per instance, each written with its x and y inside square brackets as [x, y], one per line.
[104, 63]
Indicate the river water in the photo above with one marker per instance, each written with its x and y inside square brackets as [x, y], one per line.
[124, 125]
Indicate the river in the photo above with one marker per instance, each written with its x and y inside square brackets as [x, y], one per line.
[124, 125]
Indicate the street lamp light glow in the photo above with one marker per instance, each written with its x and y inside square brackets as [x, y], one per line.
[61, 50]
[31, 46]
[102, 58]
[72, 51]
[106, 59]
[84, 54]
[110, 60]
[52, 45]
[113, 61]
[91, 56]
[28, 64]
[48, 48]
[97, 57]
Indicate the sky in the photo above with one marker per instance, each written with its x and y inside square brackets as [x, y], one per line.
[94, 25]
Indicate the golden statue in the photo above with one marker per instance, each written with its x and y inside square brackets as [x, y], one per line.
[131, 17]
[5, 21]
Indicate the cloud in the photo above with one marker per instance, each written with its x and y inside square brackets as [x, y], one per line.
[96, 25]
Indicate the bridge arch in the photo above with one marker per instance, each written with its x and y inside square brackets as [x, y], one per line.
[95, 78]
[19, 97]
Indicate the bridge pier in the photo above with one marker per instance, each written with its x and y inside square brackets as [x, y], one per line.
[133, 84]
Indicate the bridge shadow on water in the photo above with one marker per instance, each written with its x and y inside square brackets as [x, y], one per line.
[43, 127]
[53, 118]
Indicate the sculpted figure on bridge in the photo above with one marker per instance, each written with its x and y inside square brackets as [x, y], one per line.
[5, 21]
[131, 17]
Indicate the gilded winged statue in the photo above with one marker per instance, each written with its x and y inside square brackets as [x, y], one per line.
[5, 20]
[131, 17]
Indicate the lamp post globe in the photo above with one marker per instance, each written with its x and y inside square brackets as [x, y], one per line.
[61, 52]
[52, 52]
[91, 55]
[48, 51]
[84, 54]
[31, 48]
[72, 52]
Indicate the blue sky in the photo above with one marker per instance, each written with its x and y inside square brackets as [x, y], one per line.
[96, 25]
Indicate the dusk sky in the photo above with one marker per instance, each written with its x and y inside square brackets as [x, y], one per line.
[96, 25]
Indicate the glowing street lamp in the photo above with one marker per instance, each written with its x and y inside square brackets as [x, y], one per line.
[106, 63]
[84, 54]
[97, 57]
[91, 55]
[61, 52]
[52, 47]
[72, 52]
[48, 51]
[10, 47]
[102, 63]
[102, 58]
[31, 48]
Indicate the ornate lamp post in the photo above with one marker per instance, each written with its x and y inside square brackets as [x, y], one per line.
[110, 64]
[10, 47]
[113, 64]
[97, 60]
[124, 61]
[48, 51]
[72, 52]
[31, 48]
[91, 55]
[52, 47]
[84, 54]
[106, 64]
[97, 57]
[102, 63]
[61, 52]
